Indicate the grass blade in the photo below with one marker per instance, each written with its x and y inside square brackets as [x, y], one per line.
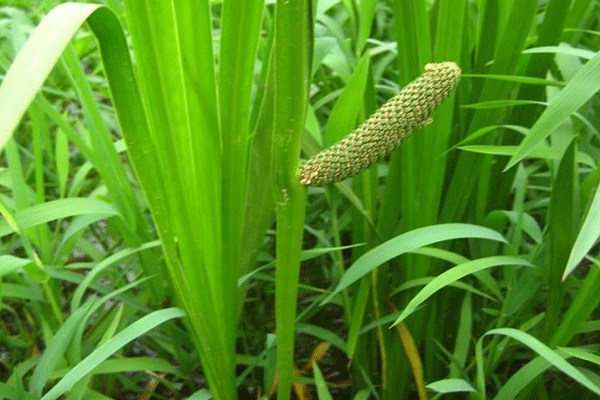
[24, 78]
[562, 220]
[322, 391]
[55, 350]
[59, 209]
[451, 386]
[588, 235]
[454, 274]
[407, 242]
[240, 31]
[548, 354]
[100, 354]
[578, 91]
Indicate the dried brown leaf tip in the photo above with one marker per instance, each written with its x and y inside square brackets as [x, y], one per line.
[379, 135]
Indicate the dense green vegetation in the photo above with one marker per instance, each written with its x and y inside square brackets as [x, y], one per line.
[155, 241]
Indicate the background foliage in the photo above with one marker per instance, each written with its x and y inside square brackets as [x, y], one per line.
[156, 166]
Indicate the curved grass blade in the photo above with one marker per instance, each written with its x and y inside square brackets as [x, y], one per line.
[322, 391]
[588, 235]
[99, 267]
[428, 279]
[45, 45]
[407, 242]
[454, 274]
[582, 354]
[58, 209]
[567, 50]
[579, 90]
[522, 378]
[547, 354]
[120, 365]
[517, 79]
[451, 386]
[25, 77]
[543, 152]
[55, 350]
[323, 334]
[22, 292]
[99, 355]
[10, 264]
[343, 115]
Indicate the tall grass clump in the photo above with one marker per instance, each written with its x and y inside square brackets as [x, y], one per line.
[342, 198]
[189, 140]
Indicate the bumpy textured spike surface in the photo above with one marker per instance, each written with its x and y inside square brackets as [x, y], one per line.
[379, 135]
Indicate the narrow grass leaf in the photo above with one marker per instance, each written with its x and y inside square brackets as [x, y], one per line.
[463, 338]
[528, 80]
[491, 104]
[579, 90]
[529, 224]
[407, 242]
[18, 291]
[479, 369]
[449, 256]
[65, 127]
[454, 274]
[24, 77]
[99, 267]
[100, 354]
[362, 395]
[502, 43]
[10, 264]
[365, 23]
[55, 350]
[323, 334]
[582, 354]
[451, 386]
[588, 235]
[240, 33]
[522, 378]
[345, 112]
[322, 47]
[581, 308]
[414, 358]
[567, 50]
[78, 340]
[356, 318]
[62, 161]
[543, 152]
[304, 256]
[321, 384]
[484, 131]
[563, 218]
[548, 354]
[58, 209]
[112, 327]
[426, 280]
[201, 394]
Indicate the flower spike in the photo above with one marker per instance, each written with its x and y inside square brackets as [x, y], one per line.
[379, 135]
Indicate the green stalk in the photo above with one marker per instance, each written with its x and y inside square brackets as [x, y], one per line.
[291, 68]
